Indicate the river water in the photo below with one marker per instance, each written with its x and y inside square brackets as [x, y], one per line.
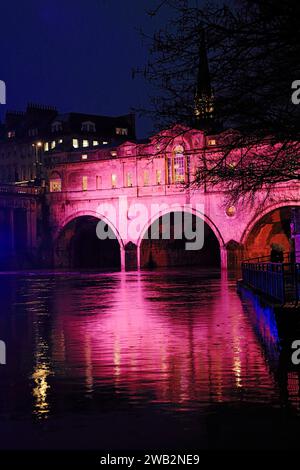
[151, 360]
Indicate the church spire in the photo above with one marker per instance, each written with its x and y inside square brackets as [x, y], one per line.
[204, 98]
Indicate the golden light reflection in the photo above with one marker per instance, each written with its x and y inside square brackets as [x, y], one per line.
[237, 368]
[40, 390]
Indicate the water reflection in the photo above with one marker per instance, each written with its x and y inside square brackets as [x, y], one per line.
[276, 330]
[40, 390]
[178, 341]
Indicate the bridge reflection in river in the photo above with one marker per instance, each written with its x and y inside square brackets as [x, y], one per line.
[92, 355]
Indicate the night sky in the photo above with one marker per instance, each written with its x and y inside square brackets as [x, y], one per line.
[76, 55]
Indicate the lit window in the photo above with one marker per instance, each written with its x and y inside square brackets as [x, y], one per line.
[11, 134]
[95, 142]
[176, 166]
[113, 180]
[179, 169]
[158, 176]
[88, 126]
[212, 142]
[98, 182]
[121, 131]
[84, 157]
[129, 180]
[75, 143]
[85, 143]
[46, 146]
[55, 183]
[53, 144]
[105, 142]
[84, 183]
[113, 153]
[170, 170]
[55, 186]
[146, 177]
[56, 126]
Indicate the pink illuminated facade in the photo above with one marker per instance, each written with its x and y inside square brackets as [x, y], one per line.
[157, 173]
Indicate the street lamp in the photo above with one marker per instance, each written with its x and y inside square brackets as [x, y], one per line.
[37, 145]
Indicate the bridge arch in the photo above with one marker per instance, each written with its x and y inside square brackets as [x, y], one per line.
[76, 244]
[210, 228]
[268, 227]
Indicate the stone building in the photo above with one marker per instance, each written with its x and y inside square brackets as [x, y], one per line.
[26, 137]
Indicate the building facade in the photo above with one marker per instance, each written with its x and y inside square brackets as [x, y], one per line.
[27, 137]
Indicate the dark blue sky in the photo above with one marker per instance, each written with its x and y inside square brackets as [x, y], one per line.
[75, 54]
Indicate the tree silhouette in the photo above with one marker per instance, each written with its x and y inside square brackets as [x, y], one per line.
[245, 98]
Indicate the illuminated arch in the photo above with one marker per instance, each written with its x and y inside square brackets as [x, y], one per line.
[190, 210]
[61, 243]
[86, 213]
[255, 220]
[201, 215]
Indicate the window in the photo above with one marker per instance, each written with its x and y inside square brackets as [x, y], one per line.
[95, 142]
[75, 143]
[121, 131]
[46, 146]
[179, 170]
[55, 186]
[84, 183]
[146, 177]
[55, 183]
[84, 157]
[56, 126]
[158, 176]
[85, 143]
[170, 170]
[53, 144]
[211, 142]
[88, 126]
[113, 180]
[11, 134]
[176, 166]
[129, 180]
[98, 182]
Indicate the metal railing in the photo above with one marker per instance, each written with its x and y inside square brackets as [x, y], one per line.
[279, 281]
[287, 257]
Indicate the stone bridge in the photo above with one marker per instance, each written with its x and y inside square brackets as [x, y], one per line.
[136, 185]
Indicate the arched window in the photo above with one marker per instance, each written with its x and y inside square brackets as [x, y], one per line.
[176, 166]
[55, 183]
